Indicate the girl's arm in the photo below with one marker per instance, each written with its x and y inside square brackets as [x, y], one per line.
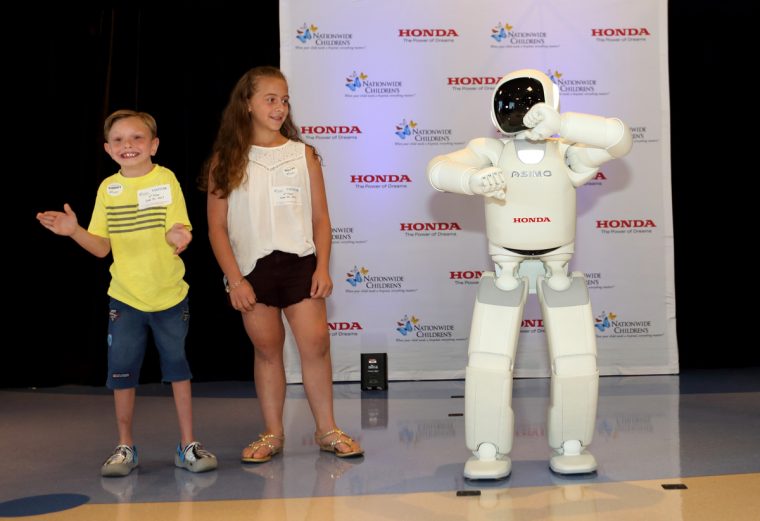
[65, 223]
[241, 293]
[321, 284]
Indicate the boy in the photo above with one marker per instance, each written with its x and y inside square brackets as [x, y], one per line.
[140, 215]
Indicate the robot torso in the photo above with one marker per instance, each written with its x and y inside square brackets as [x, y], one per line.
[539, 212]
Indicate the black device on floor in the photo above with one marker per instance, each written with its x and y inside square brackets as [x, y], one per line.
[374, 370]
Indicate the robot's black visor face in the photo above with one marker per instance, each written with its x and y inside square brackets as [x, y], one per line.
[513, 100]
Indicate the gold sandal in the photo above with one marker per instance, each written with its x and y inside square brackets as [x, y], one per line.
[265, 440]
[340, 438]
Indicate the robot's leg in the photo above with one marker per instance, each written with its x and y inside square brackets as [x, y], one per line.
[489, 420]
[569, 330]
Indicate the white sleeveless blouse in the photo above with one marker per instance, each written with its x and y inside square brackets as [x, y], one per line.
[271, 209]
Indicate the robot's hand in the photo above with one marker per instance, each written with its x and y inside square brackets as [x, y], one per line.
[489, 182]
[577, 159]
[543, 121]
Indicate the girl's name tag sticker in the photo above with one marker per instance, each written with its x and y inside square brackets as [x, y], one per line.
[290, 171]
[286, 195]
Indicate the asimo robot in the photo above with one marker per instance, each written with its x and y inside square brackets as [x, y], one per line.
[528, 181]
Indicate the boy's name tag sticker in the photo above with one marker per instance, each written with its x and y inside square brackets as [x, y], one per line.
[286, 195]
[160, 195]
[115, 189]
[290, 171]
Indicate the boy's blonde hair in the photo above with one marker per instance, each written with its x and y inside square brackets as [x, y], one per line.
[146, 118]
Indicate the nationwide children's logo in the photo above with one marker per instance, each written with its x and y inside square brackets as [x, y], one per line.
[640, 134]
[309, 36]
[404, 129]
[611, 427]
[346, 235]
[503, 35]
[360, 85]
[410, 328]
[415, 431]
[499, 32]
[305, 32]
[408, 132]
[611, 325]
[603, 320]
[406, 324]
[356, 275]
[355, 81]
[360, 280]
[575, 86]
[596, 280]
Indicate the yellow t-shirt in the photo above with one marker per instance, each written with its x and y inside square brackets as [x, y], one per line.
[135, 213]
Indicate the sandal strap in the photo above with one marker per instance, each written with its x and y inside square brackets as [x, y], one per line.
[265, 441]
[341, 437]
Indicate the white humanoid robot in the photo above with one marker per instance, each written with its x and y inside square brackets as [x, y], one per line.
[528, 180]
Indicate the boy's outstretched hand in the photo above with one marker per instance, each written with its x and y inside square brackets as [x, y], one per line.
[179, 237]
[60, 223]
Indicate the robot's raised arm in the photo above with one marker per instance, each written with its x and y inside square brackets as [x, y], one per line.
[593, 140]
[452, 172]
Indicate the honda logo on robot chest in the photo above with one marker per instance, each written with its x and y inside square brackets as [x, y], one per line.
[522, 220]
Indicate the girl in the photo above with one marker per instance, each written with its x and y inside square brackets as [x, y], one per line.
[270, 231]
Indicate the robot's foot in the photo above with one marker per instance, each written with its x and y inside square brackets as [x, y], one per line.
[582, 463]
[488, 469]
[572, 459]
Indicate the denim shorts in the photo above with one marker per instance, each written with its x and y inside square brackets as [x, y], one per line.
[282, 279]
[128, 336]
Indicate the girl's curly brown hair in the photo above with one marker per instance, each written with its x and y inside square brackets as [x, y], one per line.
[227, 165]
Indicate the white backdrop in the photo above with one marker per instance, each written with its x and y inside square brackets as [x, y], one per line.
[382, 87]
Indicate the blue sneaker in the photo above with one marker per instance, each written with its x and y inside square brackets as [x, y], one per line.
[194, 458]
[121, 462]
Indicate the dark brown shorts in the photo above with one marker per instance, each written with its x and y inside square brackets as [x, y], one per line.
[282, 279]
